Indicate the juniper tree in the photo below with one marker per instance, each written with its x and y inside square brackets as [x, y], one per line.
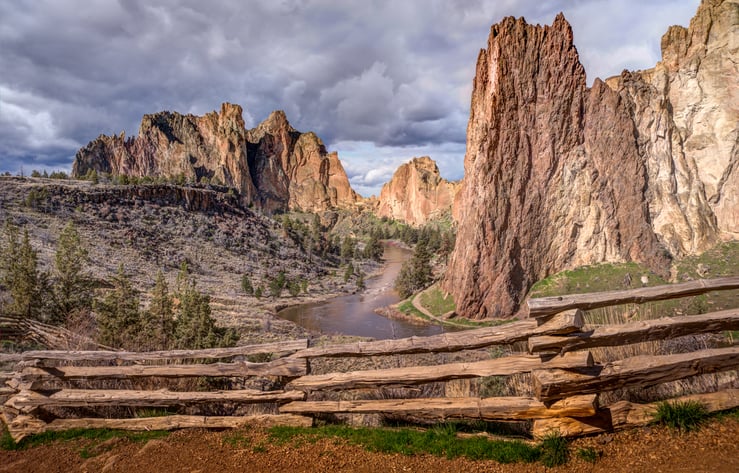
[246, 285]
[118, 314]
[72, 286]
[20, 275]
[195, 328]
[159, 323]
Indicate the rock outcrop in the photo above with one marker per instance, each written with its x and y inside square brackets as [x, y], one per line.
[273, 165]
[553, 174]
[686, 112]
[416, 193]
[639, 168]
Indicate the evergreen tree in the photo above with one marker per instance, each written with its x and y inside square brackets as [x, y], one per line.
[373, 249]
[277, 284]
[347, 249]
[360, 281]
[72, 287]
[294, 287]
[415, 274]
[21, 276]
[119, 316]
[246, 285]
[195, 328]
[349, 272]
[159, 321]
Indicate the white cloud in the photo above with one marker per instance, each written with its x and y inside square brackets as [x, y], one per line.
[396, 75]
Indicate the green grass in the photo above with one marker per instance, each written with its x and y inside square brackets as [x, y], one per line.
[681, 416]
[440, 441]
[588, 454]
[435, 302]
[408, 308]
[98, 435]
[594, 278]
[555, 450]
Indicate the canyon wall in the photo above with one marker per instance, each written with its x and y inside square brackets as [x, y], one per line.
[642, 167]
[686, 113]
[273, 165]
[416, 193]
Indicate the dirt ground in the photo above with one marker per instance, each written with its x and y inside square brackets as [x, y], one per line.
[714, 448]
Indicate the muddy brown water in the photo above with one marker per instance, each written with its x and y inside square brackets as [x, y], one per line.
[355, 314]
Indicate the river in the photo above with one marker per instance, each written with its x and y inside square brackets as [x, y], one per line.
[354, 314]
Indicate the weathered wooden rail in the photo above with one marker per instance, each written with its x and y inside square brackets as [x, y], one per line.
[567, 381]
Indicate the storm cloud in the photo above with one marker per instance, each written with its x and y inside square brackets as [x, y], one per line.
[380, 81]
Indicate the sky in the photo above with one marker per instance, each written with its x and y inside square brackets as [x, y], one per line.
[380, 81]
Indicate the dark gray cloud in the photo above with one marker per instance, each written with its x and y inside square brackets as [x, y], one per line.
[379, 81]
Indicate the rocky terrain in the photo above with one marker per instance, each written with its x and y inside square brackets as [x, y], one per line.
[416, 193]
[154, 227]
[559, 175]
[273, 166]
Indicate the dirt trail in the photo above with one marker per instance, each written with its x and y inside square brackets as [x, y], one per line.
[715, 448]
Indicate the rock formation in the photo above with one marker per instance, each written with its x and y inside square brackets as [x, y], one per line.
[273, 165]
[637, 168]
[416, 193]
[553, 176]
[686, 112]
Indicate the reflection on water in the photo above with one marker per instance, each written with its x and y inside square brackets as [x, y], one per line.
[354, 314]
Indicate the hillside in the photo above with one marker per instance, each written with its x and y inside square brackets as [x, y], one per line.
[154, 227]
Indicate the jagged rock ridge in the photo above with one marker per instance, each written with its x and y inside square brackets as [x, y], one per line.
[416, 193]
[557, 175]
[543, 190]
[273, 165]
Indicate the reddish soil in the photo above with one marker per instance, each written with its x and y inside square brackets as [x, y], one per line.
[715, 448]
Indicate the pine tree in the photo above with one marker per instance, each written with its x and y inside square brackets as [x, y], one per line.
[119, 317]
[72, 287]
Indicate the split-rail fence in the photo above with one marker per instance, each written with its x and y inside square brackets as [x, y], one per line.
[567, 381]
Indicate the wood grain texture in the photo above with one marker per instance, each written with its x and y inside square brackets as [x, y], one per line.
[471, 408]
[206, 354]
[288, 367]
[23, 426]
[659, 329]
[638, 371]
[546, 306]
[425, 374]
[28, 401]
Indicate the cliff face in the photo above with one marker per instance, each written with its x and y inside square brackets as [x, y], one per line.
[686, 112]
[416, 193]
[553, 174]
[273, 165]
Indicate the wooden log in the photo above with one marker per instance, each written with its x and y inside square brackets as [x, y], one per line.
[638, 371]
[23, 426]
[446, 342]
[546, 306]
[624, 414]
[210, 353]
[563, 323]
[289, 367]
[660, 329]
[494, 408]
[27, 401]
[425, 374]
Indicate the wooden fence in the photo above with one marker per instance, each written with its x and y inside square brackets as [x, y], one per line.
[567, 381]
